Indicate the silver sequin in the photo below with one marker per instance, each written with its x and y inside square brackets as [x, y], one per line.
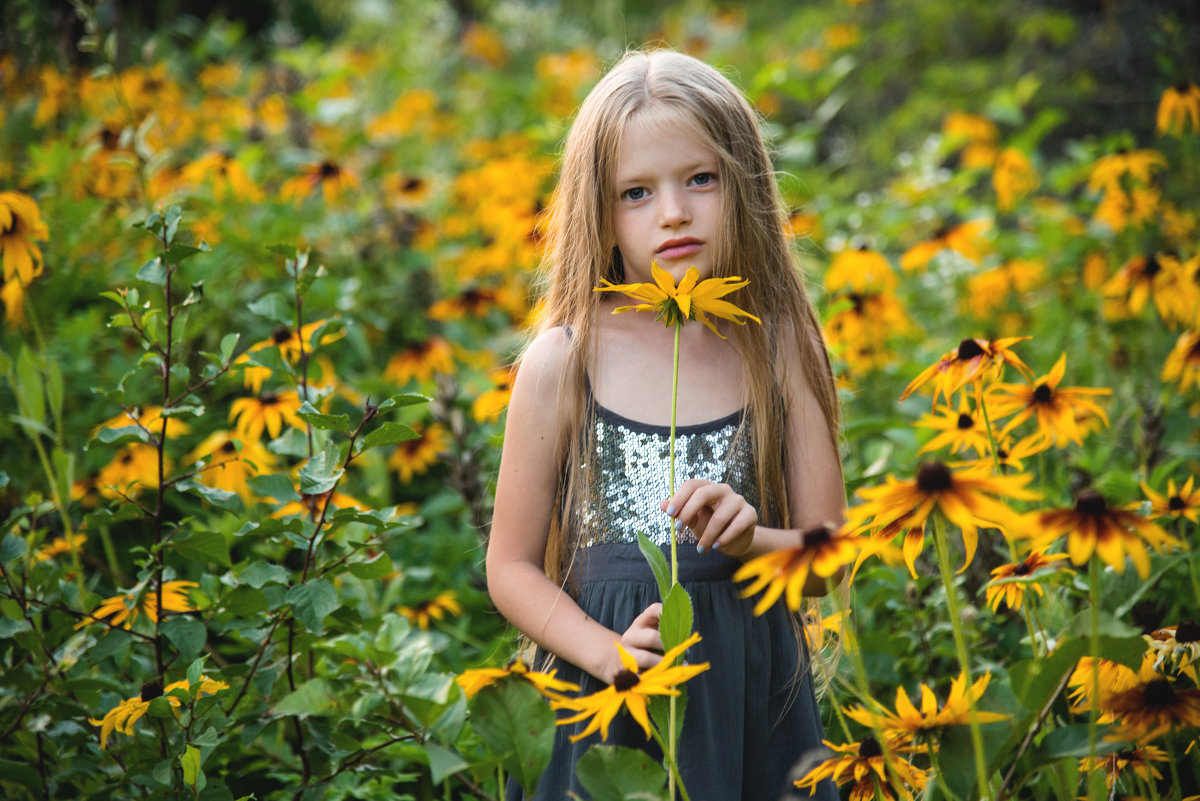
[628, 481]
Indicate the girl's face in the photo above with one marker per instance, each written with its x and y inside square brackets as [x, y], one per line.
[668, 204]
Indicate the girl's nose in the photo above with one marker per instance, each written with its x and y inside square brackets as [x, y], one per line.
[673, 209]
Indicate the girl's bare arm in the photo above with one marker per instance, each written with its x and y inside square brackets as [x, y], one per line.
[525, 491]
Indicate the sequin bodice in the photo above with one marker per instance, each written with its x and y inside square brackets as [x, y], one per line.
[628, 476]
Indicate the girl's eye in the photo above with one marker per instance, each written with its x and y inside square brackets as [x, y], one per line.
[703, 179]
[636, 193]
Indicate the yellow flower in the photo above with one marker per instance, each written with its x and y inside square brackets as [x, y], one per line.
[269, 411]
[862, 270]
[149, 417]
[960, 429]
[124, 608]
[1150, 276]
[333, 179]
[124, 715]
[1180, 644]
[1179, 106]
[12, 295]
[420, 361]
[1114, 678]
[492, 403]
[864, 764]
[474, 680]
[1138, 165]
[1127, 759]
[134, 467]
[312, 505]
[1009, 454]
[688, 301]
[20, 225]
[630, 689]
[1093, 526]
[1057, 408]
[987, 290]
[841, 36]
[973, 361]
[1013, 177]
[1151, 707]
[1184, 502]
[289, 345]
[823, 551]
[415, 456]
[484, 44]
[966, 239]
[436, 608]
[1010, 581]
[229, 468]
[60, 545]
[226, 175]
[963, 497]
[907, 722]
[1183, 362]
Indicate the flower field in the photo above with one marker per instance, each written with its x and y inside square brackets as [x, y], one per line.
[263, 286]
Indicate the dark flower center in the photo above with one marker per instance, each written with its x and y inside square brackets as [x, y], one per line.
[1187, 631]
[228, 447]
[1043, 394]
[1152, 267]
[969, 349]
[625, 680]
[329, 170]
[1194, 353]
[1182, 87]
[965, 422]
[16, 222]
[859, 302]
[816, 537]
[110, 138]
[1090, 502]
[1022, 569]
[1159, 693]
[282, 334]
[1176, 503]
[151, 690]
[126, 458]
[869, 747]
[269, 399]
[1127, 754]
[413, 185]
[933, 477]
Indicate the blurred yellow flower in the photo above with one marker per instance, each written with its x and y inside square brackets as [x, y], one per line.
[987, 291]
[413, 110]
[474, 680]
[1135, 759]
[420, 361]
[445, 603]
[861, 270]
[12, 295]
[268, 411]
[875, 776]
[228, 468]
[1182, 502]
[20, 226]
[965, 239]
[1010, 582]
[1149, 276]
[124, 715]
[1056, 408]
[415, 456]
[1183, 362]
[333, 179]
[492, 403]
[134, 467]
[908, 722]
[1179, 109]
[1013, 177]
[972, 362]
[225, 174]
[124, 609]
[960, 430]
[975, 134]
[60, 545]
[823, 552]
[484, 44]
[149, 417]
[1137, 165]
[841, 36]
[311, 506]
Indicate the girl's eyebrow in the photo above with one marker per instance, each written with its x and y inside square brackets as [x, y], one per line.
[692, 167]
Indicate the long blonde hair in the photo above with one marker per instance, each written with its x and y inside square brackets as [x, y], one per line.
[581, 251]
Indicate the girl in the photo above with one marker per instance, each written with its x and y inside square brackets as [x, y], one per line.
[665, 165]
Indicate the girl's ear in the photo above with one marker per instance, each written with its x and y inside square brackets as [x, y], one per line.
[618, 266]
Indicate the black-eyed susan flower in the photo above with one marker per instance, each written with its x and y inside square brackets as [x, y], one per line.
[975, 134]
[12, 296]
[873, 773]
[128, 712]
[988, 291]
[224, 174]
[965, 239]
[958, 430]
[311, 506]
[21, 226]
[1148, 276]
[972, 362]
[491, 403]
[907, 722]
[1183, 362]
[123, 609]
[963, 497]
[228, 467]
[1138, 165]
[474, 680]
[1010, 454]
[1055, 408]
[60, 545]
[823, 552]
[630, 689]
[1136, 760]
[1011, 581]
[420, 361]
[1179, 109]
[1151, 707]
[289, 344]
[333, 179]
[414, 457]
[133, 468]
[474, 301]
[691, 300]
[406, 190]
[150, 418]
[1182, 502]
[860, 325]
[1013, 177]
[436, 608]
[816, 626]
[1178, 644]
[861, 270]
[1092, 526]
[269, 411]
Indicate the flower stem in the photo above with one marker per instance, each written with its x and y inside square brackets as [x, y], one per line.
[672, 710]
[1094, 649]
[964, 658]
[673, 776]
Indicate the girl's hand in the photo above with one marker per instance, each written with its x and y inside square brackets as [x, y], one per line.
[718, 516]
[641, 640]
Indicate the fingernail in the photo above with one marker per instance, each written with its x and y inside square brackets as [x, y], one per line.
[716, 545]
[678, 525]
[671, 510]
[699, 549]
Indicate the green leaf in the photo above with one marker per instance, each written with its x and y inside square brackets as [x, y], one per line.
[30, 397]
[222, 499]
[378, 567]
[675, 624]
[1071, 742]
[228, 344]
[178, 253]
[10, 626]
[54, 388]
[387, 434]
[310, 698]
[190, 760]
[322, 472]
[275, 485]
[311, 602]
[187, 634]
[11, 547]
[121, 436]
[276, 307]
[403, 399]
[247, 601]
[443, 762]
[279, 249]
[3, 479]
[192, 407]
[325, 422]
[658, 563]
[517, 724]
[258, 574]
[153, 272]
[616, 773]
[203, 546]
[195, 671]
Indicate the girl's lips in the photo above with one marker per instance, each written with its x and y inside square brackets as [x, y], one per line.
[680, 251]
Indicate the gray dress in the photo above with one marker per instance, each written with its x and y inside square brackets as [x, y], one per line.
[753, 715]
